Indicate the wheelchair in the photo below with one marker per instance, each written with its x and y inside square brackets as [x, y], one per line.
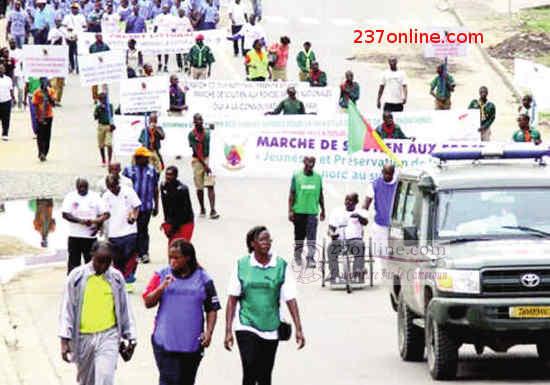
[351, 276]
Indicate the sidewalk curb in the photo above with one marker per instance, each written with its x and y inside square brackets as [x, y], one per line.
[7, 367]
[493, 63]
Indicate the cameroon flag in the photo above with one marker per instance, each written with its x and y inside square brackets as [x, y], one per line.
[361, 136]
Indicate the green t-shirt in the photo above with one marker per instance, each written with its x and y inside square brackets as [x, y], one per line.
[519, 136]
[290, 107]
[205, 145]
[447, 91]
[307, 191]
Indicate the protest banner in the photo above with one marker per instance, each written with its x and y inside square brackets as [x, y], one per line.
[144, 95]
[446, 48]
[535, 78]
[45, 61]
[275, 149]
[102, 68]
[152, 42]
[291, 137]
[213, 98]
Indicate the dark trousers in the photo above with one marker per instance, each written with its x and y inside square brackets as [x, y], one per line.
[176, 368]
[73, 55]
[5, 112]
[78, 248]
[356, 250]
[143, 232]
[393, 107]
[43, 136]
[257, 357]
[179, 60]
[125, 261]
[40, 36]
[305, 228]
[235, 29]
[258, 79]
[159, 58]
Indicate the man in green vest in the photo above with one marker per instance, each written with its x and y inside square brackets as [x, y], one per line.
[200, 59]
[304, 59]
[257, 64]
[304, 201]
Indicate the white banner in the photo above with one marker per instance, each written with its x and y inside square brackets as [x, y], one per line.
[45, 61]
[445, 48]
[102, 68]
[151, 42]
[292, 135]
[535, 78]
[212, 98]
[275, 149]
[145, 95]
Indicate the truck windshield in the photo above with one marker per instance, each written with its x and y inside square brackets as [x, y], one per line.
[496, 212]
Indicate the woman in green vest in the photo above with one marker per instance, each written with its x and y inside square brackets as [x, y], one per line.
[258, 284]
[257, 63]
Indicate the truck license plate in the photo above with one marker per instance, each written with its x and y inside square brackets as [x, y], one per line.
[529, 312]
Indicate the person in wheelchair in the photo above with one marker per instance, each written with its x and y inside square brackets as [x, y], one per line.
[346, 227]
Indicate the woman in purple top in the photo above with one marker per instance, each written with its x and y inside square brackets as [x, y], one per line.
[184, 292]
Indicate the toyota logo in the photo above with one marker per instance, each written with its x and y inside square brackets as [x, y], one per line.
[530, 280]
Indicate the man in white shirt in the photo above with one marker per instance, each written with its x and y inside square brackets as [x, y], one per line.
[346, 226]
[85, 212]
[393, 85]
[57, 35]
[164, 23]
[16, 54]
[238, 17]
[251, 32]
[7, 99]
[182, 25]
[110, 20]
[75, 23]
[123, 205]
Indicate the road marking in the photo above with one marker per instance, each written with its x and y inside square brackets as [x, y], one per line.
[343, 22]
[276, 19]
[309, 20]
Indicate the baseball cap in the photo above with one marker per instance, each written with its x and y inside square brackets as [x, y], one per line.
[142, 151]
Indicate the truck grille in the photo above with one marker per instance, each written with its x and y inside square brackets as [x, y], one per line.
[502, 281]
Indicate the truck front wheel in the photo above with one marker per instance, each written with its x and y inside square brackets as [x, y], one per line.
[442, 351]
[410, 338]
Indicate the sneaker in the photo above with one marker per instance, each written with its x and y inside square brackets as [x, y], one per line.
[202, 214]
[165, 69]
[5, 138]
[214, 215]
[145, 258]
[298, 261]
[310, 264]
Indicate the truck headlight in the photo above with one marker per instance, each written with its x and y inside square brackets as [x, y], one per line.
[458, 281]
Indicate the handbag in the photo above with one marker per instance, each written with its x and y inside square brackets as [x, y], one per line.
[284, 331]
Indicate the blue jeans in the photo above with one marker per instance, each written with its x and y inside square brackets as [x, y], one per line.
[125, 260]
[19, 40]
[257, 8]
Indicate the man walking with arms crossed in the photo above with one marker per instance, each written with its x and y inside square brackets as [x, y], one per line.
[304, 201]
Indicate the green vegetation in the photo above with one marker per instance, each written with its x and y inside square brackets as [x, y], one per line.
[536, 19]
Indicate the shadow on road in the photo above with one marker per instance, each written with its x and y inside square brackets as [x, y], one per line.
[514, 367]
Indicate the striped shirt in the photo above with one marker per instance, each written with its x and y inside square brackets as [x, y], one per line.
[144, 180]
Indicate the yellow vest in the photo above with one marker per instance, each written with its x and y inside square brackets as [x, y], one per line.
[98, 306]
[257, 67]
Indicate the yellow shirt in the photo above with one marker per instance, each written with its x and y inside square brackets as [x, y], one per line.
[98, 306]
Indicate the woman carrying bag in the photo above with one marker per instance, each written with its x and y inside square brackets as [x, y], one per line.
[260, 281]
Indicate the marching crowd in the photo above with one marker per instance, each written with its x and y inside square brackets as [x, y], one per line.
[109, 229]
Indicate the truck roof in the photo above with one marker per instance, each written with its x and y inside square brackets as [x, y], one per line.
[482, 174]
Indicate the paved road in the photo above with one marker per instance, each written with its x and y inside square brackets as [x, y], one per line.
[351, 339]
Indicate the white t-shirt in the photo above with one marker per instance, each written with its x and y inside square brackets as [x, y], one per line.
[17, 54]
[164, 23]
[252, 33]
[75, 22]
[89, 206]
[57, 33]
[340, 217]
[288, 292]
[393, 82]
[109, 23]
[238, 11]
[6, 85]
[181, 24]
[120, 206]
